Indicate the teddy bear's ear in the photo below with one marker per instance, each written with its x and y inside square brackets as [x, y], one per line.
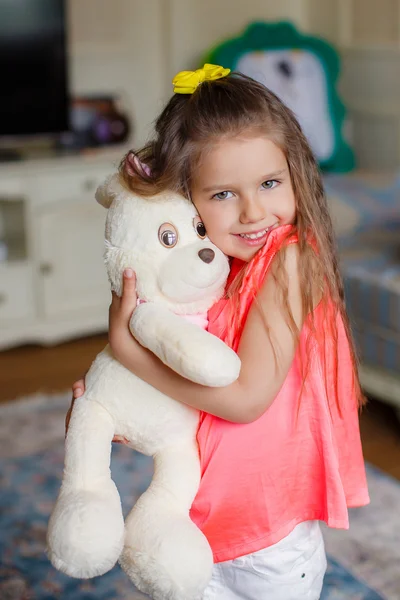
[108, 190]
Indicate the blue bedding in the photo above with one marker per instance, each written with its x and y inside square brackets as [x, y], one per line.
[370, 262]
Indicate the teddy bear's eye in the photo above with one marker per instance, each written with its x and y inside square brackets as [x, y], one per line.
[201, 230]
[168, 235]
[168, 238]
[199, 227]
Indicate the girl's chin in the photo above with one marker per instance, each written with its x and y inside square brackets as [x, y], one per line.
[244, 254]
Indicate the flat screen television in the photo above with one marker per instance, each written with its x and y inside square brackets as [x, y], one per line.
[33, 68]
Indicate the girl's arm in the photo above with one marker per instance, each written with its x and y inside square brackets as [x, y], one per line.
[263, 371]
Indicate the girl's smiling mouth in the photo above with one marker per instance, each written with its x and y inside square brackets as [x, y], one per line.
[255, 238]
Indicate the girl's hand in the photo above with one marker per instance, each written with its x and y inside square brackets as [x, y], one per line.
[78, 389]
[122, 342]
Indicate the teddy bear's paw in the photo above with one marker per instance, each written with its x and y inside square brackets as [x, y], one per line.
[169, 558]
[86, 532]
[152, 579]
[220, 367]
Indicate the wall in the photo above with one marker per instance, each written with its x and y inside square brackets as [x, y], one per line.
[118, 46]
[369, 39]
[367, 34]
[136, 46]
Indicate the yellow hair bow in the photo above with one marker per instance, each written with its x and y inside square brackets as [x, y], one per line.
[186, 82]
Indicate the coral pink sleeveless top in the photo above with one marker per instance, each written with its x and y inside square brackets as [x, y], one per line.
[302, 460]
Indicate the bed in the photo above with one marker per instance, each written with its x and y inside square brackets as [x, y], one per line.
[366, 213]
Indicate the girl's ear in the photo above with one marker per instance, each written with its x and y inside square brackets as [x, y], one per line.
[134, 165]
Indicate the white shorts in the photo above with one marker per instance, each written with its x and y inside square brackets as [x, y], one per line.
[292, 569]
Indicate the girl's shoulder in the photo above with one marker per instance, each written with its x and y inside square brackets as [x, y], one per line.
[284, 260]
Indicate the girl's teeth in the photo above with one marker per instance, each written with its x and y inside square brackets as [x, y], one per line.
[254, 236]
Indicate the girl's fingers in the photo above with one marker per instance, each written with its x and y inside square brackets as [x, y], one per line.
[119, 439]
[129, 296]
[78, 388]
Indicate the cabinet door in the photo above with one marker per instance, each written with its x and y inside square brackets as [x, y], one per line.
[70, 258]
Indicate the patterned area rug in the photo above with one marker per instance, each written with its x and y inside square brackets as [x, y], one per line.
[363, 563]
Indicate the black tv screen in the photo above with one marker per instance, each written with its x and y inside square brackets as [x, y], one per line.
[33, 67]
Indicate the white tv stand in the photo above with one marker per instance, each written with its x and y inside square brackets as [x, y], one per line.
[53, 283]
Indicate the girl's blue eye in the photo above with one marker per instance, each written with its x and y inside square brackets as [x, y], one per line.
[222, 195]
[270, 184]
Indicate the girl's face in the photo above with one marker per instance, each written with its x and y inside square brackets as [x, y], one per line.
[242, 190]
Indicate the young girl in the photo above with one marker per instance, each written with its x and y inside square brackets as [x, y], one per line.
[280, 448]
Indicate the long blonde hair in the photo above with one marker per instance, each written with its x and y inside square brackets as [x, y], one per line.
[190, 124]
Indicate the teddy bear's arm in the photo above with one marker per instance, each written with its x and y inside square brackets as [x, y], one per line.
[184, 347]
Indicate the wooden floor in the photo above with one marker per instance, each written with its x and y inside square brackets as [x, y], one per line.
[30, 369]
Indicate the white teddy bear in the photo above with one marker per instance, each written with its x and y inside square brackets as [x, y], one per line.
[180, 273]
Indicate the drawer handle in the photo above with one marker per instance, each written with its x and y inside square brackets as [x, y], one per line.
[3, 298]
[46, 268]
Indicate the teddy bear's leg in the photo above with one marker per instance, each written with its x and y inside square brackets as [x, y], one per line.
[165, 554]
[86, 529]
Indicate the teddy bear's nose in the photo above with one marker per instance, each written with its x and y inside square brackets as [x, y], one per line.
[207, 255]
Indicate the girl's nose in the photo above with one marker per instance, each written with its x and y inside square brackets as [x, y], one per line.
[251, 212]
